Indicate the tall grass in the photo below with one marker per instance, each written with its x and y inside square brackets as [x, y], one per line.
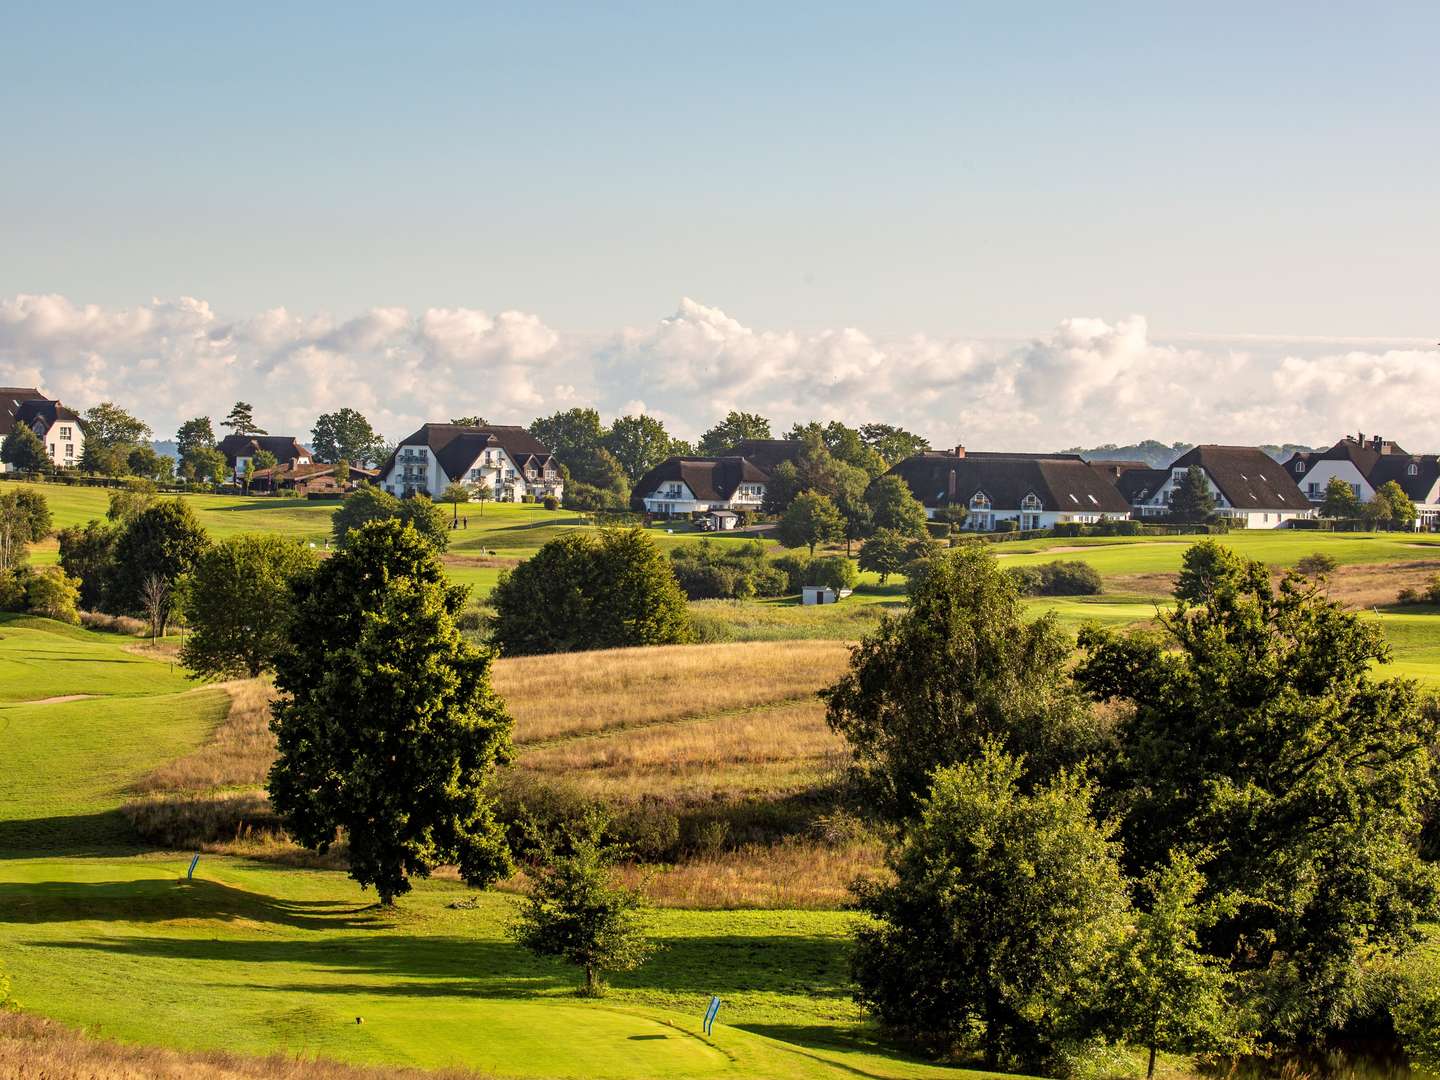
[31, 1046]
[237, 754]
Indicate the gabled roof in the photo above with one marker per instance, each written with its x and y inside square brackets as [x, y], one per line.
[1064, 483]
[767, 453]
[292, 471]
[285, 447]
[456, 446]
[710, 479]
[43, 409]
[1379, 462]
[1249, 478]
[11, 398]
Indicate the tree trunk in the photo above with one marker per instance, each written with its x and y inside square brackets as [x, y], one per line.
[590, 981]
[1150, 1069]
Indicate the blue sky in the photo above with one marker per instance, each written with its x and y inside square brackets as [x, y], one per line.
[951, 169]
[948, 182]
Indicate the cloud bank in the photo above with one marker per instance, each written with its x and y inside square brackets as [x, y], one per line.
[1087, 381]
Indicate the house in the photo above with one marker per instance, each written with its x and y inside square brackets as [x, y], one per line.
[56, 426]
[1249, 486]
[733, 481]
[1367, 465]
[312, 478]
[1036, 491]
[506, 460]
[240, 450]
[689, 485]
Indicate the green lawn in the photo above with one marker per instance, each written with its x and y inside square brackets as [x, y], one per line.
[260, 957]
[42, 659]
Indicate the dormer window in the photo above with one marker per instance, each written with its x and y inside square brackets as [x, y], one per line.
[1030, 502]
[1299, 466]
[1412, 469]
[980, 501]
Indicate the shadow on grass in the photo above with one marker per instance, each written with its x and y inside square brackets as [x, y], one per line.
[104, 833]
[163, 900]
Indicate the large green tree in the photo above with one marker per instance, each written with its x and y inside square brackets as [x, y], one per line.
[1340, 500]
[1253, 732]
[22, 450]
[241, 420]
[639, 443]
[195, 434]
[964, 665]
[163, 542]
[1003, 908]
[892, 506]
[810, 520]
[843, 442]
[24, 519]
[388, 730]
[239, 602]
[346, 435]
[893, 444]
[573, 909]
[1393, 505]
[107, 424]
[87, 553]
[566, 434]
[736, 427]
[586, 591]
[886, 552]
[369, 503]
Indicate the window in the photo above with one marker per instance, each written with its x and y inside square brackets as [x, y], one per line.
[1299, 466]
[70, 450]
[1030, 502]
[65, 434]
[1413, 469]
[980, 501]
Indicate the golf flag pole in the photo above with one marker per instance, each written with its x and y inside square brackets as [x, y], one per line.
[190, 874]
[710, 1011]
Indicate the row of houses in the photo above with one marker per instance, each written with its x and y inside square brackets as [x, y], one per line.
[1040, 491]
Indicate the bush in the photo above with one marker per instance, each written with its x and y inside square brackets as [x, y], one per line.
[710, 571]
[53, 594]
[1059, 578]
[793, 565]
[1416, 1015]
[13, 589]
[834, 572]
[710, 628]
[113, 624]
[550, 502]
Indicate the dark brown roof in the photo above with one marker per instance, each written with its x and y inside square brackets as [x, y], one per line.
[767, 453]
[712, 479]
[1395, 467]
[291, 471]
[44, 409]
[1137, 485]
[456, 446]
[11, 398]
[286, 448]
[1379, 462]
[1249, 478]
[1062, 482]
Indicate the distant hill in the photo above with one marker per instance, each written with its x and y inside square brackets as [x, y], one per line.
[166, 448]
[1158, 455]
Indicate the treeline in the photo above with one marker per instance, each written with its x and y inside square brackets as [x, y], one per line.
[1202, 838]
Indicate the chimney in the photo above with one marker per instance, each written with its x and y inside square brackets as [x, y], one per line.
[1361, 438]
[951, 496]
[960, 450]
[1378, 443]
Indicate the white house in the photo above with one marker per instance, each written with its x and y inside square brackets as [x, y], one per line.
[687, 485]
[1367, 465]
[55, 425]
[1036, 491]
[1249, 486]
[507, 461]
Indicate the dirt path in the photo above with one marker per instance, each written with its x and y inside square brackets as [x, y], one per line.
[57, 699]
[1070, 549]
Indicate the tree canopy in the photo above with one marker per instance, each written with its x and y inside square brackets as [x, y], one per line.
[369, 503]
[638, 443]
[811, 519]
[1341, 501]
[23, 450]
[164, 541]
[892, 506]
[1192, 500]
[195, 434]
[735, 428]
[893, 444]
[389, 730]
[241, 420]
[587, 591]
[962, 667]
[346, 436]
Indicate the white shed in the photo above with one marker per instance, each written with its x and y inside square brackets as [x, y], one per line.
[821, 594]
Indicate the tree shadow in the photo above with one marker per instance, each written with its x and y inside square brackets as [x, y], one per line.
[103, 833]
[163, 900]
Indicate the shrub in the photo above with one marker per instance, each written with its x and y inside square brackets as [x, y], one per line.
[1059, 578]
[793, 565]
[550, 502]
[710, 571]
[1416, 1015]
[113, 624]
[13, 589]
[834, 572]
[710, 628]
[53, 594]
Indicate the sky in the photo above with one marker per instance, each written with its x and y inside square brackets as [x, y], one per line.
[1016, 226]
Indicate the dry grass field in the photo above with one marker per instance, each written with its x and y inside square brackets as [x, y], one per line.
[715, 761]
[33, 1048]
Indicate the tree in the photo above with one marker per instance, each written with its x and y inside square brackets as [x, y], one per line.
[131, 499]
[842, 442]
[1191, 500]
[834, 572]
[108, 426]
[241, 420]
[734, 429]
[964, 666]
[1252, 731]
[811, 519]
[455, 494]
[474, 420]
[892, 506]
[481, 494]
[567, 434]
[574, 911]
[1415, 1013]
[239, 602]
[893, 444]
[1341, 501]
[264, 459]
[24, 519]
[582, 591]
[203, 464]
[885, 553]
[1318, 564]
[1164, 992]
[195, 434]
[346, 434]
[639, 443]
[105, 460]
[163, 541]
[87, 554]
[1397, 506]
[146, 462]
[23, 451]
[54, 594]
[369, 503]
[387, 727]
[1206, 568]
[1004, 905]
[155, 602]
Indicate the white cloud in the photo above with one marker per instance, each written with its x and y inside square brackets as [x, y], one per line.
[1087, 381]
